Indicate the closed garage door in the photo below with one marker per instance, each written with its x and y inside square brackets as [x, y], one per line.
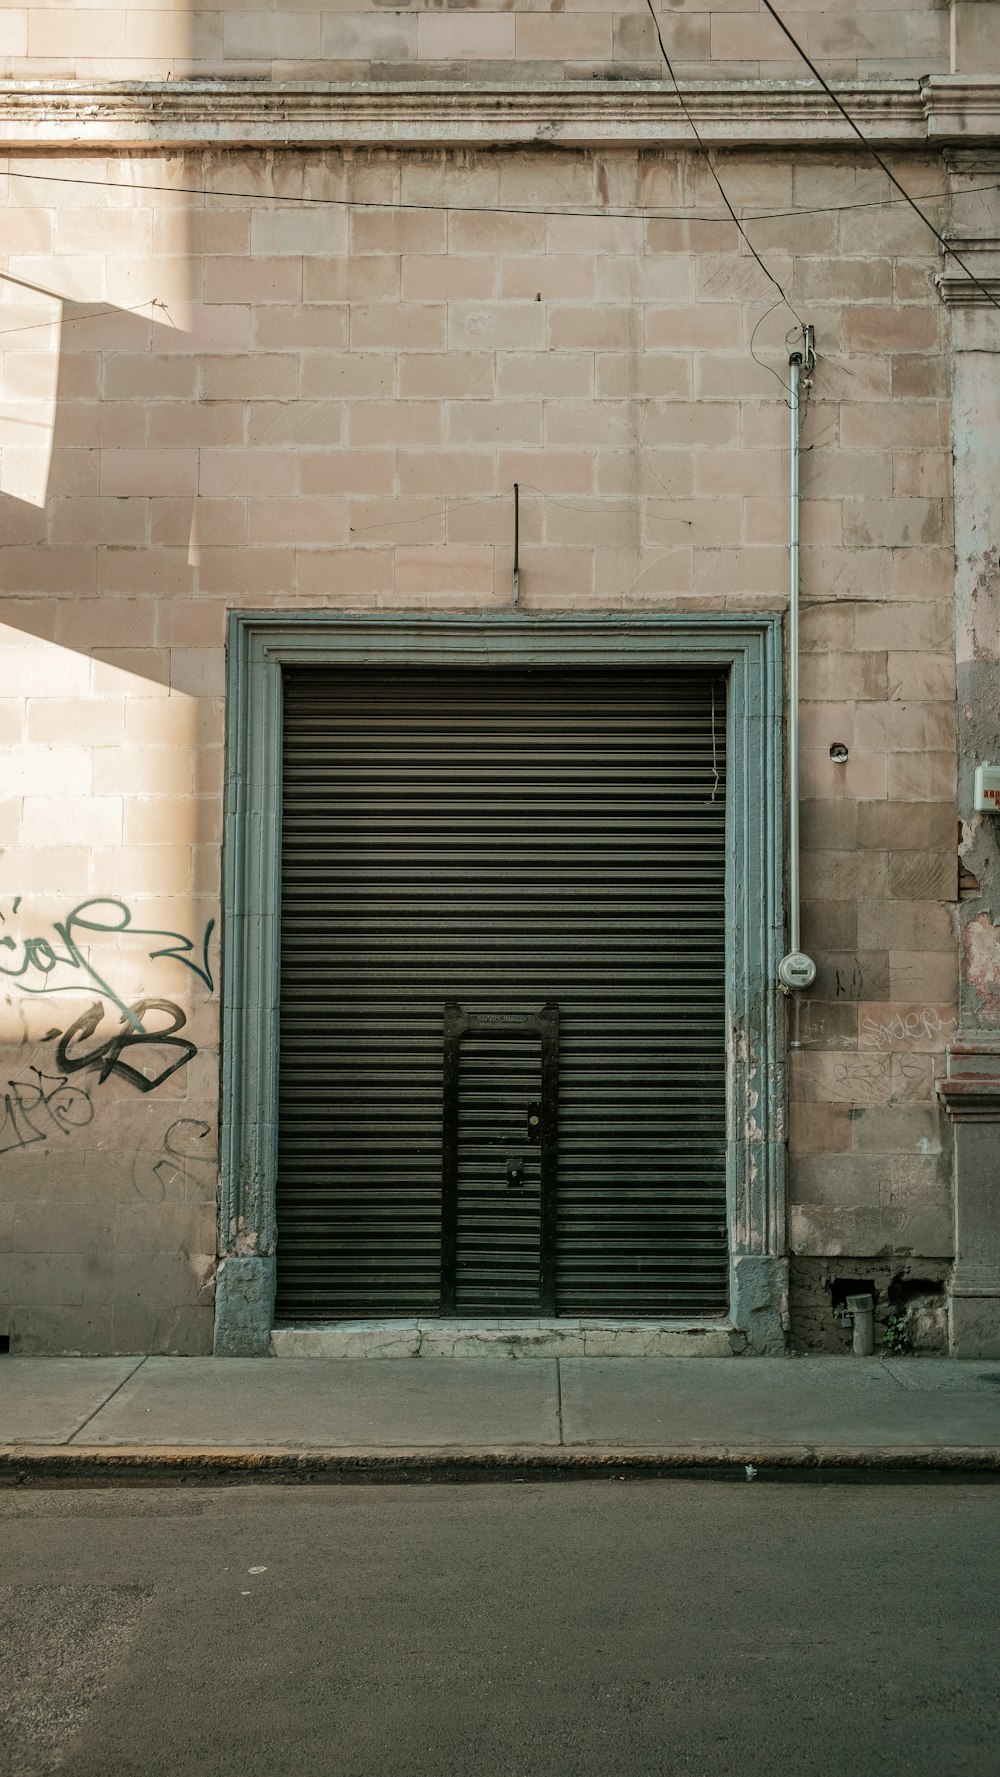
[502, 1074]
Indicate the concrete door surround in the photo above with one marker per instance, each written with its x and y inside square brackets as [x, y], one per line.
[748, 646]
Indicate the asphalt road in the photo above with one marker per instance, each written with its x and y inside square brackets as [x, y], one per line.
[593, 1629]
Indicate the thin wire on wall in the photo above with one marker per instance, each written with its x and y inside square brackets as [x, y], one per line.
[636, 213]
[877, 158]
[768, 273]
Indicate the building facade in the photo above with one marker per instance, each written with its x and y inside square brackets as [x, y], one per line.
[394, 539]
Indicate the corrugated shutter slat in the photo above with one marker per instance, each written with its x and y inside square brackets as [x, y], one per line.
[502, 839]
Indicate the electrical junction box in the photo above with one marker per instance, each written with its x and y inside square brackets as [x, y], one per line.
[987, 788]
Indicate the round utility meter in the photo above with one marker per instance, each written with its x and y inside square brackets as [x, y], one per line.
[796, 970]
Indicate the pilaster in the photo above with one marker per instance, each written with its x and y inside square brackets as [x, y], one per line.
[971, 1091]
[971, 1096]
[975, 36]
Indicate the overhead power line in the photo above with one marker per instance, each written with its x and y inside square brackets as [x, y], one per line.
[711, 164]
[887, 170]
[637, 213]
[634, 213]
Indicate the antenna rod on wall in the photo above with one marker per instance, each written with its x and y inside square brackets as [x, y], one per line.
[517, 544]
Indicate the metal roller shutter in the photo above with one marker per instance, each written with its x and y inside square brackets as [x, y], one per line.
[534, 862]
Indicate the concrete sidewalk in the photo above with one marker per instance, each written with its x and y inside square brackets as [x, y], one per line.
[88, 1419]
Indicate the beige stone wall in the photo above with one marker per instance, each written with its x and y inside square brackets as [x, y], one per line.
[497, 40]
[243, 400]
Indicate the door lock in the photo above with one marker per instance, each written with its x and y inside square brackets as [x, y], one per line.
[534, 1122]
[515, 1172]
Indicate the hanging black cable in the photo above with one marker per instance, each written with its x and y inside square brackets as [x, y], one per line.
[634, 213]
[887, 170]
[711, 165]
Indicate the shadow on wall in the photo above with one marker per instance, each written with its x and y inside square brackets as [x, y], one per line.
[116, 648]
[99, 480]
[114, 660]
[112, 725]
[109, 838]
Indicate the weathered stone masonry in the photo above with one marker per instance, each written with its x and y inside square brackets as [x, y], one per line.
[217, 395]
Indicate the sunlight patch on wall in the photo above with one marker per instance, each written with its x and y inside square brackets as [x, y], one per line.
[30, 334]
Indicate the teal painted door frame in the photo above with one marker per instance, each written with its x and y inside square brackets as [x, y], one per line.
[748, 647]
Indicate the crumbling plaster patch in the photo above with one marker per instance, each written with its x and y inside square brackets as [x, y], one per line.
[978, 654]
[981, 965]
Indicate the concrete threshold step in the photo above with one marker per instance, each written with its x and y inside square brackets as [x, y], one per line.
[507, 1338]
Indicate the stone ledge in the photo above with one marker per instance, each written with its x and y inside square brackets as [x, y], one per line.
[972, 1098]
[505, 1338]
[970, 1091]
[962, 107]
[982, 256]
[757, 113]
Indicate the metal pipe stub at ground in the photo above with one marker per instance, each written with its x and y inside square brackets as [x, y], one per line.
[862, 1312]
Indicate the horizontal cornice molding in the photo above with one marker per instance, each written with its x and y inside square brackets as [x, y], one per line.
[982, 256]
[195, 114]
[970, 1092]
[962, 108]
[961, 292]
[971, 1100]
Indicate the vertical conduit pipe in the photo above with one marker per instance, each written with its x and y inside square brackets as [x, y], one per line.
[862, 1312]
[796, 970]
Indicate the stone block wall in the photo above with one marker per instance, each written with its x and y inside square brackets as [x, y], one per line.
[247, 400]
[492, 41]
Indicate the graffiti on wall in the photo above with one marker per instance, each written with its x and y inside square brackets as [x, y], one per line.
[919, 1025]
[62, 959]
[156, 1052]
[33, 1109]
[183, 1167]
[144, 1048]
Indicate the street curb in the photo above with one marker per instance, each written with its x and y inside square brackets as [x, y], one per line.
[173, 1465]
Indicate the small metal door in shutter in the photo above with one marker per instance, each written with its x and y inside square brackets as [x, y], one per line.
[498, 1166]
[497, 841]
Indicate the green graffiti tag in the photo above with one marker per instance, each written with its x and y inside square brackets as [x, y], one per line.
[40, 964]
